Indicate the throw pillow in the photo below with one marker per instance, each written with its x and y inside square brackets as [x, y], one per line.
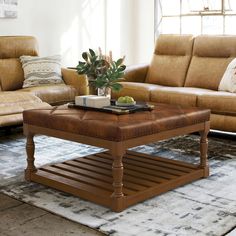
[41, 70]
[228, 81]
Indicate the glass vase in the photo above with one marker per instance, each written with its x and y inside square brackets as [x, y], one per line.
[105, 91]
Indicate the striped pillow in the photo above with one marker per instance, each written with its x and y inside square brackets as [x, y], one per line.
[41, 70]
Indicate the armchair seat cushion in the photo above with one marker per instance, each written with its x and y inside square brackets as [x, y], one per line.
[177, 95]
[53, 94]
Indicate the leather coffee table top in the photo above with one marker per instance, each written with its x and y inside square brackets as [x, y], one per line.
[116, 127]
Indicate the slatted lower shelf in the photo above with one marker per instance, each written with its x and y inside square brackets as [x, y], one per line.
[91, 177]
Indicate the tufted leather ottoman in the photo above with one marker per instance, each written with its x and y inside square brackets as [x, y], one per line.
[116, 178]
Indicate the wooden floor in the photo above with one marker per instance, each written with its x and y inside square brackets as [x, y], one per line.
[19, 219]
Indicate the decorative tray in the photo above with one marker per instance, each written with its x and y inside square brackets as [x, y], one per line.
[113, 109]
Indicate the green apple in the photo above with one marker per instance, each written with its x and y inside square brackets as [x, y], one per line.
[121, 100]
[129, 99]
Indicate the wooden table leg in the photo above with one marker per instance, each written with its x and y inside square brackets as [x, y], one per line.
[204, 149]
[117, 152]
[30, 147]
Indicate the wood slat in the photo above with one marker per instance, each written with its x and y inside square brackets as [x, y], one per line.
[164, 187]
[129, 164]
[130, 175]
[107, 179]
[73, 183]
[161, 162]
[72, 187]
[150, 166]
[128, 167]
[157, 177]
[164, 160]
[80, 178]
[154, 162]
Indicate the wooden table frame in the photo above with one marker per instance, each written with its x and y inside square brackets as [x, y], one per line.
[118, 200]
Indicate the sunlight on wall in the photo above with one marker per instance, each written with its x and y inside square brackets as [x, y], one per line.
[86, 30]
[69, 44]
[113, 28]
[92, 24]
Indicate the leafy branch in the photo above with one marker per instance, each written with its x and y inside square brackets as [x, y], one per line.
[101, 70]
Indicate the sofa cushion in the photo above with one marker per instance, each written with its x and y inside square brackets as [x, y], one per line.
[11, 74]
[211, 56]
[9, 120]
[12, 104]
[41, 70]
[223, 122]
[53, 94]
[176, 95]
[218, 102]
[139, 91]
[16, 46]
[11, 48]
[170, 60]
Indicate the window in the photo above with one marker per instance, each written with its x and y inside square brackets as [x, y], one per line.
[195, 16]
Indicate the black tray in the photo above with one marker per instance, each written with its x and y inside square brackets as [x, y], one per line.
[118, 110]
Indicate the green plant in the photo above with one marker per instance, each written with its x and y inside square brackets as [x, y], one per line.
[101, 70]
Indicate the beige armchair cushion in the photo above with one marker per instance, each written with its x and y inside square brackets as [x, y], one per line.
[170, 60]
[211, 56]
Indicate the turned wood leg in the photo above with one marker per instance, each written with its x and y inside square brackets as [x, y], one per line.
[203, 150]
[117, 173]
[30, 157]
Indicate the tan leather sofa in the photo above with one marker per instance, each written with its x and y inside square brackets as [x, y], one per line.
[13, 98]
[187, 70]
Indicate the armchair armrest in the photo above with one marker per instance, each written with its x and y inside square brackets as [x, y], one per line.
[136, 73]
[79, 82]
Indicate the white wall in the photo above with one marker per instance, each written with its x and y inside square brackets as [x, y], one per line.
[137, 32]
[69, 27]
[65, 27]
[130, 29]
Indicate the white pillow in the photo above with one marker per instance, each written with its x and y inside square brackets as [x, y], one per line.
[41, 70]
[228, 81]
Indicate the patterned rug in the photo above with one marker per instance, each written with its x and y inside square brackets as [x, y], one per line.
[204, 207]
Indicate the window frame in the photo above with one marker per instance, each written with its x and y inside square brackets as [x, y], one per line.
[158, 15]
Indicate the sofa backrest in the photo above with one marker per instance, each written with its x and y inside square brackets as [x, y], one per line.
[11, 48]
[211, 56]
[170, 61]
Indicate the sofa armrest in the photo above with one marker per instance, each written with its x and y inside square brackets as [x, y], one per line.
[136, 73]
[79, 82]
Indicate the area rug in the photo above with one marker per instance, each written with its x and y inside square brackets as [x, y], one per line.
[204, 207]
